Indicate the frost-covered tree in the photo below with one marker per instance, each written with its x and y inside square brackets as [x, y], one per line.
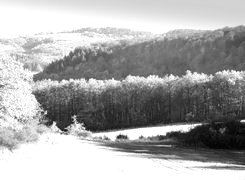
[17, 103]
[139, 101]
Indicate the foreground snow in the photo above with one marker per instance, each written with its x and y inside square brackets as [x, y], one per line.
[66, 157]
[135, 133]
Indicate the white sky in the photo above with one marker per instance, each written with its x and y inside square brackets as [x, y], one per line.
[158, 16]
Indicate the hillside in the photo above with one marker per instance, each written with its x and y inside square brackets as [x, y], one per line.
[171, 53]
[37, 51]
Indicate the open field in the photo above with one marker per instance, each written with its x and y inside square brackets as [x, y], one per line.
[66, 157]
[135, 133]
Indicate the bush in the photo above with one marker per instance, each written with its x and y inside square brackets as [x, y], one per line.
[11, 138]
[8, 138]
[54, 128]
[100, 138]
[27, 134]
[160, 137]
[105, 138]
[142, 137]
[122, 137]
[42, 129]
[78, 129]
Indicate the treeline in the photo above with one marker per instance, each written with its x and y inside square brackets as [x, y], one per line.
[139, 101]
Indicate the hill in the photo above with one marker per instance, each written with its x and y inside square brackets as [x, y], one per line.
[171, 53]
[37, 51]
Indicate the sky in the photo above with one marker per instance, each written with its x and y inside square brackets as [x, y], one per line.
[19, 17]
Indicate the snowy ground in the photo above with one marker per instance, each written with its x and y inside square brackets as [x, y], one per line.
[135, 133]
[66, 157]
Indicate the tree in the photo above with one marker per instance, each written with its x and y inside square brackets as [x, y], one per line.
[17, 103]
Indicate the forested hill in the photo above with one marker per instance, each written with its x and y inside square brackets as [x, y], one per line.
[38, 50]
[172, 53]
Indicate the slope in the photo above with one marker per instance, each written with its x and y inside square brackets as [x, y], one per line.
[38, 50]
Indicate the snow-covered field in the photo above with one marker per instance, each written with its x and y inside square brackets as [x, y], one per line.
[135, 133]
[66, 157]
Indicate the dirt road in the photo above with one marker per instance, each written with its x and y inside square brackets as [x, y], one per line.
[66, 157]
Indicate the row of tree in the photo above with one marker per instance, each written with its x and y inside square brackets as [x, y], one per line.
[140, 101]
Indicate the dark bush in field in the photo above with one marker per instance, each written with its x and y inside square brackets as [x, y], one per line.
[122, 137]
[141, 137]
[228, 135]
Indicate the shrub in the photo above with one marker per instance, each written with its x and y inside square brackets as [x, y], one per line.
[100, 138]
[160, 137]
[78, 129]
[7, 138]
[141, 137]
[105, 138]
[42, 129]
[54, 128]
[11, 138]
[153, 138]
[122, 137]
[27, 134]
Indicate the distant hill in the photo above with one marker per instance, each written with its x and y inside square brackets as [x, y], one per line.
[37, 51]
[112, 32]
[171, 53]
